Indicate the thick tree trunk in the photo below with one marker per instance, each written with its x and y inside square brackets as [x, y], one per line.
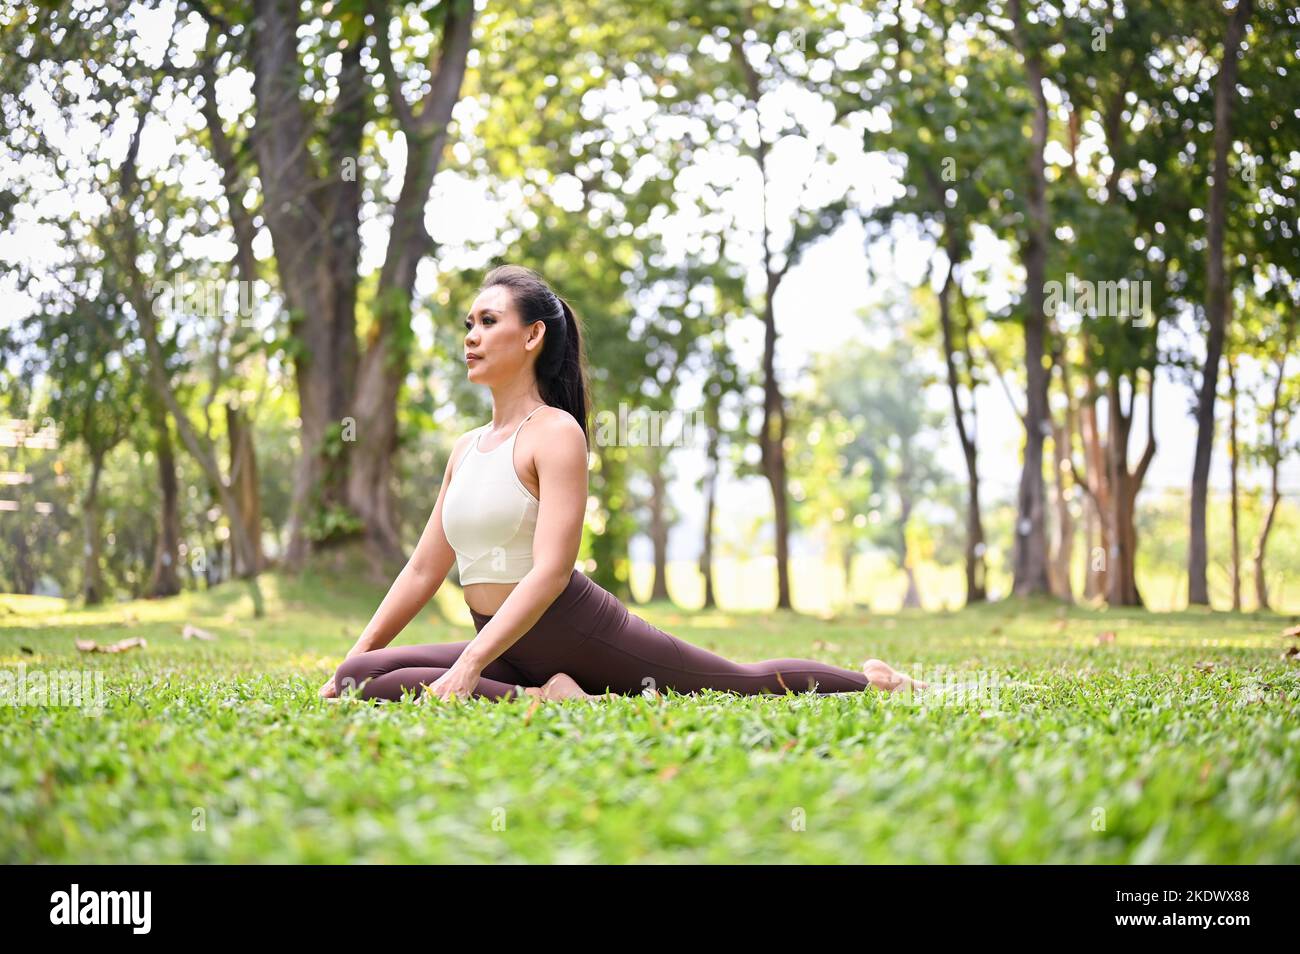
[1124, 487]
[313, 220]
[1030, 558]
[165, 579]
[23, 579]
[1123, 577]
[384, 365]
[1216, 300]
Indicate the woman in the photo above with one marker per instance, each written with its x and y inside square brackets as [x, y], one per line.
[510, 512]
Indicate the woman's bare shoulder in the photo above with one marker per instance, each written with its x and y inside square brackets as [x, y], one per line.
[555, 423]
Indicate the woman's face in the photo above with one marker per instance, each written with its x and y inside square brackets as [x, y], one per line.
[498, 346]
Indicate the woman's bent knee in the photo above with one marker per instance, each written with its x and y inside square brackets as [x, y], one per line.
[352, 672]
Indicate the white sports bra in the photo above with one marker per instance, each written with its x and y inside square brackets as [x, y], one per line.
[488, 515]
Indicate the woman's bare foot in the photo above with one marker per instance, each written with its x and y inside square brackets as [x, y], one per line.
[883, 676]
[560, 686]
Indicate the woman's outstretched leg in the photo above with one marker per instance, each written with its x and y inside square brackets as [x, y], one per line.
[627, 655]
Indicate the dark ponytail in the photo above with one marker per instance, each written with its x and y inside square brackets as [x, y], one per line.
[562, 366]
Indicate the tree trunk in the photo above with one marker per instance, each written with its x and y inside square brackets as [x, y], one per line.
[609, 545]
[1030, 558]
[1276, 433]
[1063, 551]
[313, 221]
[658, 527]
[1098, 498]
[1123, 577]
[771, 444]
[1092, 546]
[1122, 583]
[244, 485]
[1124, 487]
[912, 598]
[710, 505]
[772, 451]
[23, 579]
[165, 580]
[976, 591]
[1235, 503]
[92, 587]
[203, 453]
[384, 366]
[1261, 542]
[846, 563]
[1216, 299]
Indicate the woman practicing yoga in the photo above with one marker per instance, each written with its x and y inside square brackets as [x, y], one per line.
[510, 513]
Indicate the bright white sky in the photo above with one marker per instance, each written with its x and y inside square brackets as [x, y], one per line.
[820, 304]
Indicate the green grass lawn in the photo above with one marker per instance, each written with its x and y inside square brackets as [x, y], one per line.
[1178, 741]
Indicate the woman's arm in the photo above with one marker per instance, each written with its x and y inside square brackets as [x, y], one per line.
[419, 579]
[561, 458]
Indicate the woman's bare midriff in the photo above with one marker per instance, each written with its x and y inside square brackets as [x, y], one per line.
[486, 598]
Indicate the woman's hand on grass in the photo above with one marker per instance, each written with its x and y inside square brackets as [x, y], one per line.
[328, 691]
[458, 682]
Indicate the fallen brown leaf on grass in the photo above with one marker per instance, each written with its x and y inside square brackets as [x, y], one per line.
[1106, 637]
[1205, 665]
[121, 646]
[668, 772]
[1292, 652]
[193, 632]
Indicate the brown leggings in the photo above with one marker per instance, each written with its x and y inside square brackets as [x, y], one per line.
[588, 633]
